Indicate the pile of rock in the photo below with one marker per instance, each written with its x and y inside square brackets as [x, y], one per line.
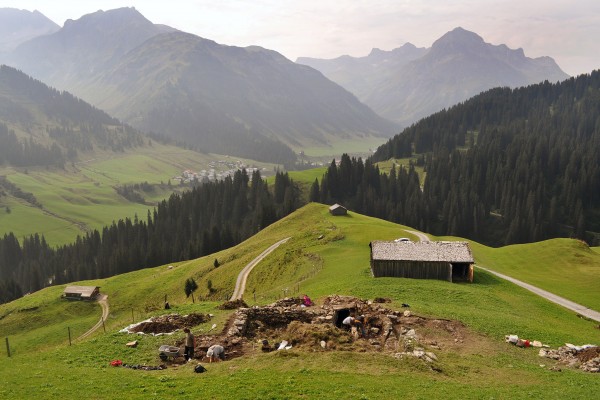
[585, 357]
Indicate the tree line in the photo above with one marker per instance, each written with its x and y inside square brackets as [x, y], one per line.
[201, 221]
[507, 166]
[71, 124]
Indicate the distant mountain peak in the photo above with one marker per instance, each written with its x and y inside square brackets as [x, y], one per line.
[103, 18]
[457, 39]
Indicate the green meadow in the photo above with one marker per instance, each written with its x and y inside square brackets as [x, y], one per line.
[325, 255]
[81, 196]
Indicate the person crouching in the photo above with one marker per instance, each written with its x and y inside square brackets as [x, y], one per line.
[214, 352]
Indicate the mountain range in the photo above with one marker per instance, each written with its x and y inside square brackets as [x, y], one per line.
[409, 83]
[249, 101]
[19, 26]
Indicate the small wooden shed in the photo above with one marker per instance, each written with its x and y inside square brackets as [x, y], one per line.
[337, 209]
[449, 261]
[81, 292]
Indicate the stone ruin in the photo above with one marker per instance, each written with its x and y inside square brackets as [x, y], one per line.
[319, 328]
[586, 358]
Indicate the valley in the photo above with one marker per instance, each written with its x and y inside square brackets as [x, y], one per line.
[82, 196]
[419, 223]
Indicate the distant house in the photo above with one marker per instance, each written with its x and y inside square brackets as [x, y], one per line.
[448, 261]
[337, 209]
[81, 292]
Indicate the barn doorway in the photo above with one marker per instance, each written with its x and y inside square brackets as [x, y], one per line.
[462, 272]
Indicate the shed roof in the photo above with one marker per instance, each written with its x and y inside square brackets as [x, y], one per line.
[336, 206]
[455, 252]
[84, 291]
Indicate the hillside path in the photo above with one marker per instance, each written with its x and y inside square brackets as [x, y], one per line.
[422, 237]
[240, 284]
[105, 310]
[578, 308]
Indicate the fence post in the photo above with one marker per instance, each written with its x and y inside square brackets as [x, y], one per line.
[69, 328]
[132, 318]
[7, 347]
[103, 327]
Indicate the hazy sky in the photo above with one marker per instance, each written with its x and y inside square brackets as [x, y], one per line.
[567, 30]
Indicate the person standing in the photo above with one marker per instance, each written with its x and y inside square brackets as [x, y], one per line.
[189, 344]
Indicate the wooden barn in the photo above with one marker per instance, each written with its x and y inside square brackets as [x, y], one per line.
[448, 261]
[81, 292]
[337, 209]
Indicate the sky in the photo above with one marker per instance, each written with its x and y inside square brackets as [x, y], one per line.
[566, 30]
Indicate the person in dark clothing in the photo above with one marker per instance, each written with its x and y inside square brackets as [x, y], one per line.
[189, 344]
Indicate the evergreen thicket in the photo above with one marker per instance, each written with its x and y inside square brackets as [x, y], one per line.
[59, 124]
[507, 166]
[361, 187]
[204, 220]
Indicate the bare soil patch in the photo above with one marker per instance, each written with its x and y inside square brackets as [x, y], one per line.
[319, 328]
[170, 323]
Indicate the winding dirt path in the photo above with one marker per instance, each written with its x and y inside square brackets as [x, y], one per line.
[240, 284]
[422, 237]
[105, 310]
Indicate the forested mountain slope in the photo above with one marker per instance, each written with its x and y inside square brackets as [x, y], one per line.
[249, 102]
[42, 126]
[507, 166]
[204, 220]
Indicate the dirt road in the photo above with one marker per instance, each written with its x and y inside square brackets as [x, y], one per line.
[240, 284]
[578, 308]
[422, 237]
[105, 310]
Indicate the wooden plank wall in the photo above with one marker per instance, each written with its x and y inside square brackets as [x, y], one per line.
[412, 269]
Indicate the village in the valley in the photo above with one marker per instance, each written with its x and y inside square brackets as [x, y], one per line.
[217, 170]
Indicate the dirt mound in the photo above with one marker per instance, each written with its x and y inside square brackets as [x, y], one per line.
[232, 305]
[170, 323]
[588, 354]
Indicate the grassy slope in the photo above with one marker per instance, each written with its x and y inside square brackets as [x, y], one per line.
[337, 263]
[82, 196]
[565, 267]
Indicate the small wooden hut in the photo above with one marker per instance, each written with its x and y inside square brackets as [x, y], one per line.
[449, 261]
[337, 209]
[81, 292]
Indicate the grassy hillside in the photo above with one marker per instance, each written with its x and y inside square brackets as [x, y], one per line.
[565, 267]
[325, 255]
[82, 196]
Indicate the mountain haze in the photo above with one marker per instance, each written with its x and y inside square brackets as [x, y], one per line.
[457, 66]
[41, 126]
[19, 26]
[360, 74]
[249, 101]
[84, 47]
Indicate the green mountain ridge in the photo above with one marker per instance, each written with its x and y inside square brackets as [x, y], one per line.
[479, 366]
[64, 164]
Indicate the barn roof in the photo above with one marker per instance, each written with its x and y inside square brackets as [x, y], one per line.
[336, 206]
[455, 252]
[83, 291]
